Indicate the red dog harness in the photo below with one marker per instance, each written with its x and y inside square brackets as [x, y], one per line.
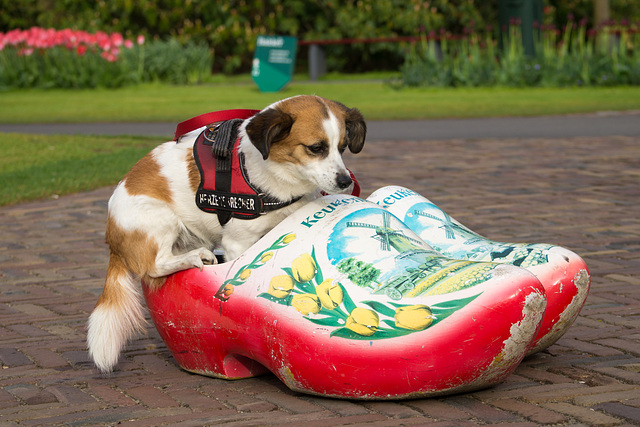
[224, 187]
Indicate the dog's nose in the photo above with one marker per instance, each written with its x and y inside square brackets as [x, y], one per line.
[343, 181]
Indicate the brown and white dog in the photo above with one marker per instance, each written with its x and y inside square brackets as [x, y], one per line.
[293, 148]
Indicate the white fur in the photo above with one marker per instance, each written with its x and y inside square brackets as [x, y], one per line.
[324, 172]
[109, 329]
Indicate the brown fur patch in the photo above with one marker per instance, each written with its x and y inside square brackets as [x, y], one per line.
[136, 251]
[112, 294]
[308, 113]
[194, 173]
[145, 178]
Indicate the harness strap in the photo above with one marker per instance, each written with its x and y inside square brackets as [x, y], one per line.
[222, 149]
[208, 118]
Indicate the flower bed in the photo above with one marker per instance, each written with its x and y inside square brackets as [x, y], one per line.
[49, 58]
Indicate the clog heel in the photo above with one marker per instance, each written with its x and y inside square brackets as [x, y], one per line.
[342, 299]
[563, 274]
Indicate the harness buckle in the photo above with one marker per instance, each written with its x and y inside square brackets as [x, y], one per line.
[211, 132]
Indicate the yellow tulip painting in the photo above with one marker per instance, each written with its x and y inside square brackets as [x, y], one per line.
[281, 286]
[363, 321]
[413, 317]
[304, 268]
[245, 272]
[330, 294]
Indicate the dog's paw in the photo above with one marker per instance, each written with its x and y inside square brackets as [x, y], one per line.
[206, 258]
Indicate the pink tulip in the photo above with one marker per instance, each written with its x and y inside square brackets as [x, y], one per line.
[116, 39]
[109, 56]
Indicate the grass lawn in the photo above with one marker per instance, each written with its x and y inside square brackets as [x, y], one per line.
[37, 166]
[377, 100]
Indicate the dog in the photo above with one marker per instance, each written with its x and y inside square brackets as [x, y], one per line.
[291, 151]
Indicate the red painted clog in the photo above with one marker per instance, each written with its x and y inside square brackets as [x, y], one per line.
[563, 274]
[342, 299]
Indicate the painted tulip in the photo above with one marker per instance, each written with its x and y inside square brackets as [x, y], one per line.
[363, 321]
[414, 317]
[244, 275]
[227, 290]
[303, 268]
[289, 238]
[280, 286]
[266, 257]
[306, 303]
[330, 294]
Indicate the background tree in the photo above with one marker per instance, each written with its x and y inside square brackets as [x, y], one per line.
[360, 273]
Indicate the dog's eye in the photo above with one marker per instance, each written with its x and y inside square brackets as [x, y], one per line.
[317, 148]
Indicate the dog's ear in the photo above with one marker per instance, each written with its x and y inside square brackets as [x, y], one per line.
[356, 130]
[267, 127]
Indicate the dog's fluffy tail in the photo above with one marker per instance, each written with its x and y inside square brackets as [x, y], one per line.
[118, 315]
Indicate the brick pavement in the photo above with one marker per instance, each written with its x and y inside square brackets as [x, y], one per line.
[582, 193]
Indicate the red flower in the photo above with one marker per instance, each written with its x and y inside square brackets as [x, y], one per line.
[109, 56]
[27, 41]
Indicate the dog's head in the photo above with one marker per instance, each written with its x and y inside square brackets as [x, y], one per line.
[307, 136]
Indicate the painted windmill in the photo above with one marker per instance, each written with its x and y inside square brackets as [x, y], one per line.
[409, 248]
[389, 237]
[451, 229]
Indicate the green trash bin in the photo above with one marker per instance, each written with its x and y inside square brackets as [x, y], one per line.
[529, 14]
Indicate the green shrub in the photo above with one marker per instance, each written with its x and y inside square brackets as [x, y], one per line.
[230, 28]
[573, 57]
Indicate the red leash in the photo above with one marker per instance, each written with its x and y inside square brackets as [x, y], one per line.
[216, 116]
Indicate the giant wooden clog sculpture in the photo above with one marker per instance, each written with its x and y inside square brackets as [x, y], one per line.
[563, 274]
[342, 299]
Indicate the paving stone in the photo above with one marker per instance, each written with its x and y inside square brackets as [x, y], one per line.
[542, 375]
[620, 410]
[194, 399]
[587, 347]
[28, 330]
[44, 357]
[8, 400]
[477, 409]
[586, 415]
[290, 403]
[620, 373]
[153, 363]
[531, 412]
[392, 409]
[12, 357]
[70, 395]
[576, 192]
[151, 397]
[350, 420]
[612, 396]
[626, 345]
[31, 394]
[341, 407]
[111, 396]
[34, 310]
[438, 409]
